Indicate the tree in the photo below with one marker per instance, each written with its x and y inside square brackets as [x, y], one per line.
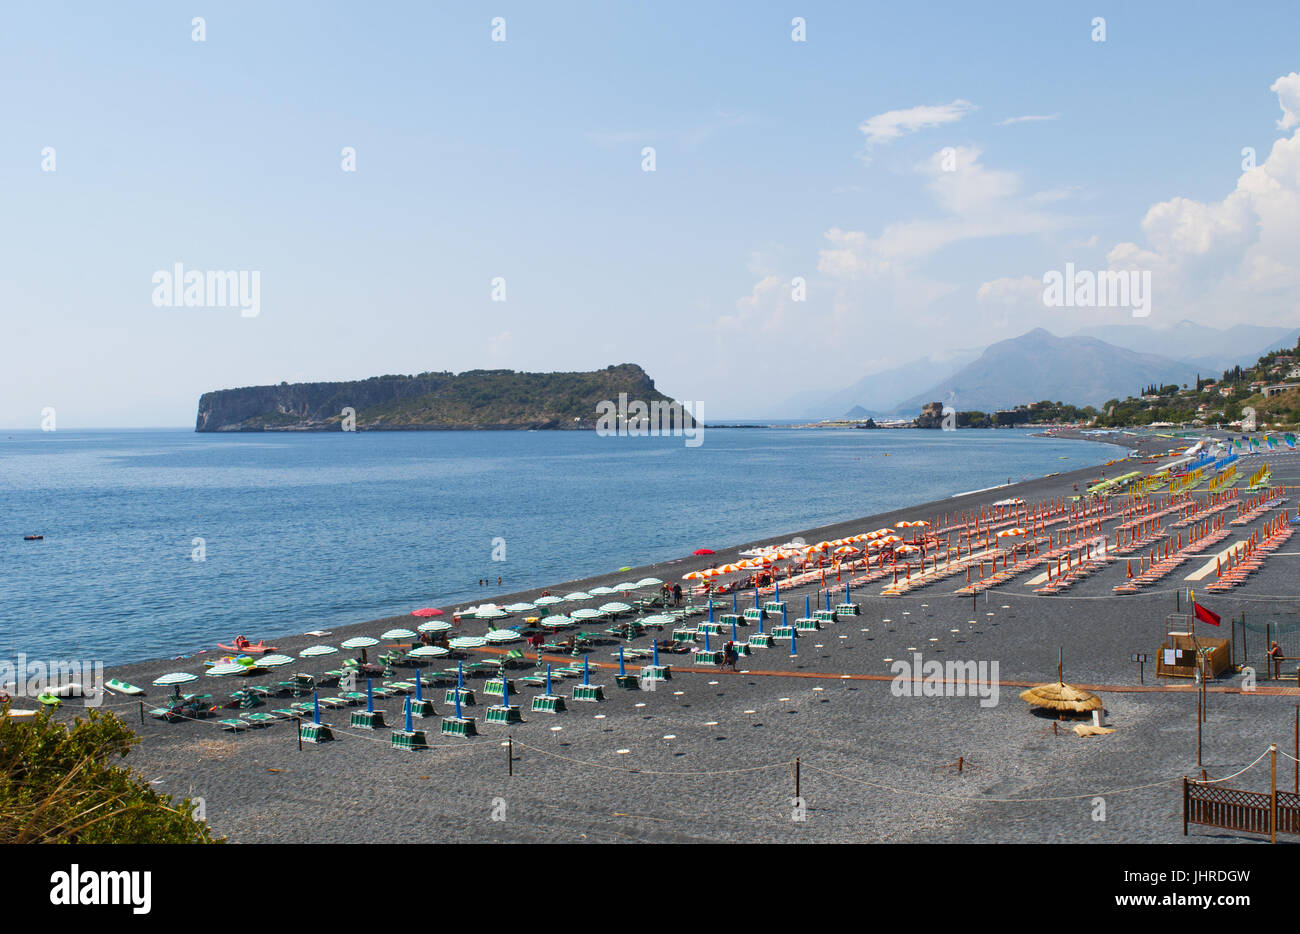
[58, 784]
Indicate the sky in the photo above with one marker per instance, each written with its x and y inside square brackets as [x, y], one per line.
[837, 188]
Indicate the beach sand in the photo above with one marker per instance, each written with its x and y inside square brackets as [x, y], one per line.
[709, 755]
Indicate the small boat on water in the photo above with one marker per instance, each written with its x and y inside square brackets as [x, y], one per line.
[33, 538]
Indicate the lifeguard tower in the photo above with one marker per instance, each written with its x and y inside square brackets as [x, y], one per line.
[1182, 652]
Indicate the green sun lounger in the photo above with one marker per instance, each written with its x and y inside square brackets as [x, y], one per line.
[234, 726]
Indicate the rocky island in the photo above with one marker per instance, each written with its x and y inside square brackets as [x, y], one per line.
[473, 400]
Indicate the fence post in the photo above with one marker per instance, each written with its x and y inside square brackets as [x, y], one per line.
[1272, 818]
[796, 776]
[510, 755]
[1185, 805]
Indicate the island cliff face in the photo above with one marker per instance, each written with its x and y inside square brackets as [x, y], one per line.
[475, 399]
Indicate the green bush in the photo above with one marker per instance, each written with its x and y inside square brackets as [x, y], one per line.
[59, 784]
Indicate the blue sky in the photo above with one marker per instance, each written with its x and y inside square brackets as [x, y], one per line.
[522, 159]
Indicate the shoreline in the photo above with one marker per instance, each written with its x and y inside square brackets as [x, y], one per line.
[129, 671]
[708, 756]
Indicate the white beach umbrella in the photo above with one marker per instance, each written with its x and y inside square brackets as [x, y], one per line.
[220, 671]
[615, 607]
[491, 613]
[601, 591]
[503, 636]
[649, 582]
[626, 585]
[434, 625]
[398, 634]
[274, 661]
[427, 651]
[548, 600]
[360, 642]
[467, 642]
[520, 607]
[175, 677]
[314, 650]
[586, 613]
[577, 596]
[558, 621]
[658, 619]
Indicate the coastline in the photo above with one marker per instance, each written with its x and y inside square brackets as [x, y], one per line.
[144, 668]
[709, 756]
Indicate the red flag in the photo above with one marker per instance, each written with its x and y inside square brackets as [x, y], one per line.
[1203, 614]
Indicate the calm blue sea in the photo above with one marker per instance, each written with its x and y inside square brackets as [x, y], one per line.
[306, 531]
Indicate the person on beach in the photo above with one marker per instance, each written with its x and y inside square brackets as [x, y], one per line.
[729, 655]
[677, 594]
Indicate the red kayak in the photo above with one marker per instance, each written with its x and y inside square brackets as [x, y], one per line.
[253, 648]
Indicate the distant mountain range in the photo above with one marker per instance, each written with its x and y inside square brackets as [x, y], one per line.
[1087, 368]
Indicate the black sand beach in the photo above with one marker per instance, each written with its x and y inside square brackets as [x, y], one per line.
[709, 755]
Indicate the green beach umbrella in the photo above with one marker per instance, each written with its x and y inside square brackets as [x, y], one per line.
[520, 607]
[548, 600]
[435, 625]
[586, 613]
[314, 650]
[360, 642]
[428, 651]
[467, 642]
[503, 636]
[558, 621]
[274, 661]
[398, 634]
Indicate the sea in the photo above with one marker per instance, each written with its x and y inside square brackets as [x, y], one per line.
[159, 542]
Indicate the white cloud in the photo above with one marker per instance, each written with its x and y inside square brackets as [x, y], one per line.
[894, 124]
[1287, 89]
[1220, 261]
[1028, 118]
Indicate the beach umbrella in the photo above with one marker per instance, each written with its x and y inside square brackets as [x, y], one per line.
[434, 626]
[548, 600]
[730, 568]
[649, 582]
[175, 679]
[621, 669]
[313, 651]
[398, 634]
[315, 706]
[427, 611]
[702, 551]
[219, 671]
[274, 661]
[428, 651]
[1061, 697]
[492, 612]
[557, 621]
[694, 576]
[602, 591]
[520, 607]
[360, 642]
[615, 607]
[625, 585]
[467, 642]
[502, 636]
[658, 619]
[586, 612]
[577, 596]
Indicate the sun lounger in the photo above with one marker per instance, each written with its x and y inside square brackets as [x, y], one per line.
[259, 719]
[234, 726]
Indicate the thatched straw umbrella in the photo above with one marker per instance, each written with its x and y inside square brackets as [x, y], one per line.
[1061, 697]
